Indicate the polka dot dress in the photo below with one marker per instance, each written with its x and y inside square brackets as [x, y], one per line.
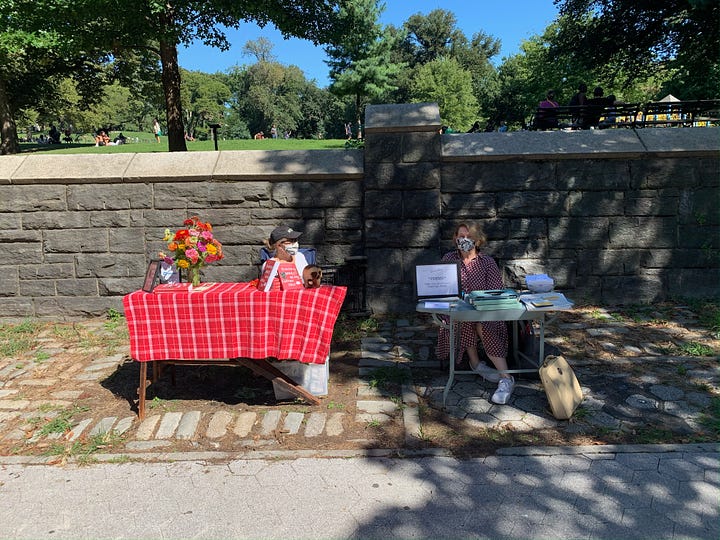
[481, 273]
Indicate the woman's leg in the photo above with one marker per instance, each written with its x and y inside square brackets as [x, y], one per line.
[494, 338]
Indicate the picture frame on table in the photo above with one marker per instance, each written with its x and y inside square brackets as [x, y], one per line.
[152, 276]
[437, 280]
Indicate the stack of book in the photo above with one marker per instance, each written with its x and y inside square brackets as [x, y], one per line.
[494, 299]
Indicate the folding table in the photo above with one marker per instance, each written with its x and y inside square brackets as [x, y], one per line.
[461, 311]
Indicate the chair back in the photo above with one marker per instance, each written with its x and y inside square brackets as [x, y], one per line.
[310, 254]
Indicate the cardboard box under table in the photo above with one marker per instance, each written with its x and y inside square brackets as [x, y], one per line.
[231, 324]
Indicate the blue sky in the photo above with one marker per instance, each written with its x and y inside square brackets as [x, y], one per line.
[511, 22]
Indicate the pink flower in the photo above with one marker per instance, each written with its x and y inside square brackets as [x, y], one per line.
[211, 258]
[192, 254]
[206, 235]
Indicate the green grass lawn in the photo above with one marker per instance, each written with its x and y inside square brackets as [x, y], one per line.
[144, 142]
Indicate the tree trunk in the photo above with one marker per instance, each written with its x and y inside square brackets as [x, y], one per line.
[171, 89]
[8, 129]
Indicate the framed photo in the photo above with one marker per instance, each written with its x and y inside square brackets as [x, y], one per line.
[169, 273]
[152, 276]
[439, 280]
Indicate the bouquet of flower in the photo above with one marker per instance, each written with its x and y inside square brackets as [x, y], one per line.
[192, 248]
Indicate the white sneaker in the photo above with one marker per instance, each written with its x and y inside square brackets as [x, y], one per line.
[504, 391]
[486, 372]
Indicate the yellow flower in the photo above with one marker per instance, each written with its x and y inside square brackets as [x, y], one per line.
[182, 263]
[168, 235]
[212, 250]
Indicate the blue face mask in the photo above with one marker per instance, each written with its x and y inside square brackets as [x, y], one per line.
[465, 244]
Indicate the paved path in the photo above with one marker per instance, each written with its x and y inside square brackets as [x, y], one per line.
[581, 492]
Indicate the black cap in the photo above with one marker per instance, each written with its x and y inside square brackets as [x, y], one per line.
[283, 231]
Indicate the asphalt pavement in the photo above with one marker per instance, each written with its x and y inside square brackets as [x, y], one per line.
[600, 492]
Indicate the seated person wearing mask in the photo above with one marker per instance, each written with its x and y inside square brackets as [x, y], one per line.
[479, 271]
[284, 270]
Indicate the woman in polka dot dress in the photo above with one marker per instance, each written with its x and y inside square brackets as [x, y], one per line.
[478, 272]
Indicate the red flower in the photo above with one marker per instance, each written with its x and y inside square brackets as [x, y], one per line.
[181, 234]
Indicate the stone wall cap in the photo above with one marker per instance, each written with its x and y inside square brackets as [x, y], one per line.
[402, 117]
[538, 144]
[72, 168]
[171, 166]
[686, 139]
[8, 166]
[288, 164]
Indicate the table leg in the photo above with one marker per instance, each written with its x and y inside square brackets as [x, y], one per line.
[141, 390]
[542, 341]
[451, 377]
[267, 370]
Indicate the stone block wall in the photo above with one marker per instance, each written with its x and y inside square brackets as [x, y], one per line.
[615, 216]
[75, 244]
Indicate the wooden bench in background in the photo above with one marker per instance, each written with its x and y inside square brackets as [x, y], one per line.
[587, 116]
[680, 113]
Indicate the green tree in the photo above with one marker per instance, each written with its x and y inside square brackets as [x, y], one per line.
[425, 38]
[205, 99]
[360, 63]
[170, 24]
[444, 81]
[679, 37]
[159, 26]
[35, 58]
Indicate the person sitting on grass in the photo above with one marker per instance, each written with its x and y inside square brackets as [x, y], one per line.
[102, 139]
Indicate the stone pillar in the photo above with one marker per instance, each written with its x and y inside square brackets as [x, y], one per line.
[402, 199]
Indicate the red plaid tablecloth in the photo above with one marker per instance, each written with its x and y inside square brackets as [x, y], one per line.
[232, 320]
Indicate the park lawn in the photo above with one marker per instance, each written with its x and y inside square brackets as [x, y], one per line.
[145, 146]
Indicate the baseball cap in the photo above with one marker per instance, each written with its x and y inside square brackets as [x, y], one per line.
[283, 231]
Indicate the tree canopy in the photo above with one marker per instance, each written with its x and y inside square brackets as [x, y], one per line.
[114, 27]
[641, 36]
[360, 62]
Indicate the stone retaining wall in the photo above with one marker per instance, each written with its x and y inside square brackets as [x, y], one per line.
[614, 215]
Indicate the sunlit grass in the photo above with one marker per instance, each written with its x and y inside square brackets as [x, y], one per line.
[17, 338]
[144, 147]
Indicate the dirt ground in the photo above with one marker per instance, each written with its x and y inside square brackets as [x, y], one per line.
[61, 351]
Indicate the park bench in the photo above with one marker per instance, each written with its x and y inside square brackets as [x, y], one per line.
[587, 116]
[680, 113]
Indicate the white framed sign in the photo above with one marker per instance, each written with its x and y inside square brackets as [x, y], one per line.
[438, 280]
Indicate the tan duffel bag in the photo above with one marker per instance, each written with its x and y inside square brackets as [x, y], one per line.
[561, 387]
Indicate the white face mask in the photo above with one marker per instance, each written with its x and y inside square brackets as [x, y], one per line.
[465, 244]
[292, 249]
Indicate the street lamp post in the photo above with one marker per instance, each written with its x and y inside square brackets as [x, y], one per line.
[214, 128]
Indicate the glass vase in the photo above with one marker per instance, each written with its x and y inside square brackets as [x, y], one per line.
[194, 275]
